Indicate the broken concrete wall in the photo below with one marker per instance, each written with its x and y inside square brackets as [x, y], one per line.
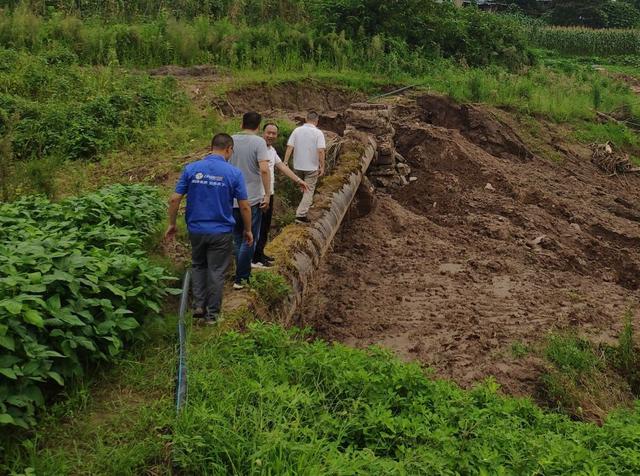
[388, 168]
[304, 246]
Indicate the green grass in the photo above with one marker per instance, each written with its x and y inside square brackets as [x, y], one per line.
[571, 354]
[127, 126]
[269, 401]
[114, 422]
[616, 133]
[266, 402]
[588, 381]
[271, 287]
[519, 350]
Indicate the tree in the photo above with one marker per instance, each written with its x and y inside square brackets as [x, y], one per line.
[579, 12]
[621, 14]
[530, 7]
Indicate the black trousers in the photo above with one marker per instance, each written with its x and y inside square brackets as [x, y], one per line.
[265, 226]
[210, 259]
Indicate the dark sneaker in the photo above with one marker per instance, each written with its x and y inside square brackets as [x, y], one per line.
[266, 258]
[198, 313]
[238, 286]
[302, 220]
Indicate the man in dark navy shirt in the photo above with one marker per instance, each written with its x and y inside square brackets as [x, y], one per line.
[211, 185]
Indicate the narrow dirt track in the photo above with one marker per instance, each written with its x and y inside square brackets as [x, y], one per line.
[490, 246]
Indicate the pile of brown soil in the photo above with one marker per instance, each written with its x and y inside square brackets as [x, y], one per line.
[490, 246]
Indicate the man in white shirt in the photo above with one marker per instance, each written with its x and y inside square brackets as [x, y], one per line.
[270, 135]
[307, 144]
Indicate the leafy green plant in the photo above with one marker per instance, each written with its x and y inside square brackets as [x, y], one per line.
[75, 286]
[271, 287]
[627, 355]
[63, 111]
[268, 402]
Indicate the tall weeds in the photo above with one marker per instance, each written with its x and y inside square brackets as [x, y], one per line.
[266, 33]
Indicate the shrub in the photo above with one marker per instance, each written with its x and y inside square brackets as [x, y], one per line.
[321, 32]
[64, 112]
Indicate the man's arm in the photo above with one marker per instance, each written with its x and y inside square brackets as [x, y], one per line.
[321, 158]
[265, 174]
[245, 213]
[287, 154]
[289, 173]
[174, 206]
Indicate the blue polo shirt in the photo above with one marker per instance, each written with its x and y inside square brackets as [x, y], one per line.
[211, 184]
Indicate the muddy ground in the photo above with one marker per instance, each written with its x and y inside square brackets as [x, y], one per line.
[508, 233]
[492, 245]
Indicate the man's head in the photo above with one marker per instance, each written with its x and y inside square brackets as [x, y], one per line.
[222, 144]
[313, 117]
[270, 133]
[251, 121]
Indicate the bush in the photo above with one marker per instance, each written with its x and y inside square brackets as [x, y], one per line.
[354, 34]
[65, 112]
[595, 13]
[621, 15]
[75, 287]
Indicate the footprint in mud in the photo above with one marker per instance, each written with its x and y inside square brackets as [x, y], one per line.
[502, 286]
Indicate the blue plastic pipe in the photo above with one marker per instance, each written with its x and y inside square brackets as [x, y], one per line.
[181, 387]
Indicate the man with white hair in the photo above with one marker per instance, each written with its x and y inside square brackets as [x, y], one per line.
[270, 134]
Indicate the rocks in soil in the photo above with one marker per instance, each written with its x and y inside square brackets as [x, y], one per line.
[375, 119]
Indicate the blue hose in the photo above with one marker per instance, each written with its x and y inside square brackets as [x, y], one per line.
[181, 388]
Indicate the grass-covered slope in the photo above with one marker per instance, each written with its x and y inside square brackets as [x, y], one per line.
[267, 402]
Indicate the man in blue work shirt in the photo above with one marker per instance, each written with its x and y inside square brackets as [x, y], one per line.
[211, 185]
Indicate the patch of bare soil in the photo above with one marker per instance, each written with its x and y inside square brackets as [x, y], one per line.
[491, 245]
[185, 71]
[293, 99]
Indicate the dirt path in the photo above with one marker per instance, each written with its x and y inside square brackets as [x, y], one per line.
[489, 247]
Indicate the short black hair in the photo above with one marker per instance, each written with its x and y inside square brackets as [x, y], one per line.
[221, 141]
[251, 120]
[313, 116]
[270, 124]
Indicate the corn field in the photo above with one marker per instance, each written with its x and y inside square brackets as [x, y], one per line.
[587, 41]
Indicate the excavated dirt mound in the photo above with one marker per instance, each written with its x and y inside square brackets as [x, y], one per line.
[294, 99]
[490, 246]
